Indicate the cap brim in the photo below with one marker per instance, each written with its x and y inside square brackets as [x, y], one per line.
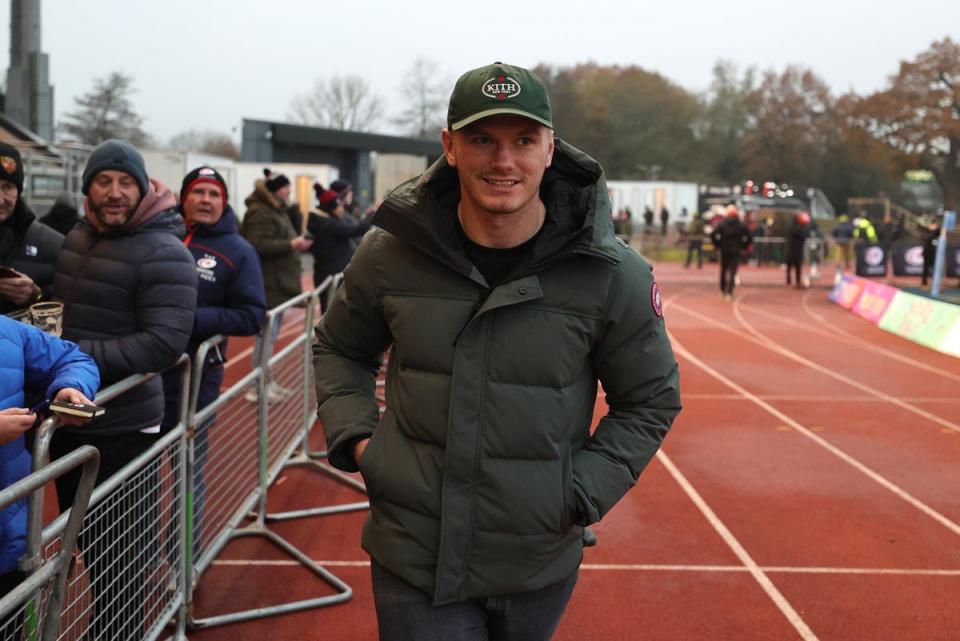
[460, 124]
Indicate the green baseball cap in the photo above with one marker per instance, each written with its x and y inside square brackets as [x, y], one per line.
[498, 89]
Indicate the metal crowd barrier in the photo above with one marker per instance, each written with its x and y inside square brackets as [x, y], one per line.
[155, 527]
[34, 606]
[302, 455]
[238, 483]
[127, 581]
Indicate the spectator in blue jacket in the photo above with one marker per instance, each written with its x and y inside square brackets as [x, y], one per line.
[230, 296]
[35, 361]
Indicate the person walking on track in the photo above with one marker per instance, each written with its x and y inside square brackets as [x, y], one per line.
[730, 238]
[498, 284]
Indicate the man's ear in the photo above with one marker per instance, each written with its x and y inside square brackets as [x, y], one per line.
[446, 138]
[550, 149]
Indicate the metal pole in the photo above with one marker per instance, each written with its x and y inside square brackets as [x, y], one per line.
[949, 221]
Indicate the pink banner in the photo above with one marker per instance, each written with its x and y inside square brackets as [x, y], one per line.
[847, 291]
[874, 300]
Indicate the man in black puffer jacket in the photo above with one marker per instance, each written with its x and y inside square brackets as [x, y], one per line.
[129, 289]
[26, 246]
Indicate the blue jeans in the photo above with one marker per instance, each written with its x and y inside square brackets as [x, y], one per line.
[405, 613]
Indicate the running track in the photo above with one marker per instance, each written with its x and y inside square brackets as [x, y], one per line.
[808, 490]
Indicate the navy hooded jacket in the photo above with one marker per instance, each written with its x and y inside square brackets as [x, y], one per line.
[230, 298]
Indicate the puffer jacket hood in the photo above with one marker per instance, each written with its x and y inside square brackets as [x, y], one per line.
[263, 196]
[573, 189]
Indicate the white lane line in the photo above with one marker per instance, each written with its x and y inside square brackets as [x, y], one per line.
[842, 336]
[843, 456]
[821, 399]
[765, 342]
[758, 574]
[637, 567]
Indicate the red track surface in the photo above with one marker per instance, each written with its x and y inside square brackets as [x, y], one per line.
[809, 490]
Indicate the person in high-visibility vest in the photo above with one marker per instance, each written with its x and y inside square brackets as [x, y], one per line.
[863, 230]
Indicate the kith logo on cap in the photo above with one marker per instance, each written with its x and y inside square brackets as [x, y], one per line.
[501, 88]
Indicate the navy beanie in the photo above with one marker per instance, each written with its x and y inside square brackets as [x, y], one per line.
[116, 155]
[11, 166]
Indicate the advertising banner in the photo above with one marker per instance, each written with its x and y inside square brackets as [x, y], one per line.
[907, 259]
[953, 261]
[922, 320]
[874, 300]
[871, 260]
[847, 291]
[951, 342]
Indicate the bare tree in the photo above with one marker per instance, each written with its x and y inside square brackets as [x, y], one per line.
[207, 141]
[424, 93]
[106, 112]
[343, 102]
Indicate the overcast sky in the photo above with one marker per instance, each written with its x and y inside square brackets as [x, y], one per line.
[207, 65]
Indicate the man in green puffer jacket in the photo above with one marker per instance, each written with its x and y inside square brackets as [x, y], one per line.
[497, 283]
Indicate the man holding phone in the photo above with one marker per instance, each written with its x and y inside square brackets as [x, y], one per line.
[28, 248]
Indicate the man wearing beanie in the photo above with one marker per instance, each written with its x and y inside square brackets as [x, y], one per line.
[129, 289]
[27, 248]
[334, 231]
[230, 299]
[497, 283]
[268, 228]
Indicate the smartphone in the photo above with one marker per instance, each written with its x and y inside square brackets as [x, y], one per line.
[76, 409]
[8, 272]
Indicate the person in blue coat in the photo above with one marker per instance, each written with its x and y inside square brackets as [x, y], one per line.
[35, 361]
[230, 297]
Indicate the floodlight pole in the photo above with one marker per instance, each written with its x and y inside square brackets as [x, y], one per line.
[949, 221]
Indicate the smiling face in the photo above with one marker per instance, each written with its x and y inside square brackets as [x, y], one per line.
[8, 199]
[114, 197]
[500, 161]
[203, 204]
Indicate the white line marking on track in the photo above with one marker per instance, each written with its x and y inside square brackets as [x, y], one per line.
[842, 336]
[836, 451]
[758, 574]
[765, 342]
[635, 567]
[821, 399]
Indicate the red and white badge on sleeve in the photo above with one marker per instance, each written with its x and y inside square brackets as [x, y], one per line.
[655, 299]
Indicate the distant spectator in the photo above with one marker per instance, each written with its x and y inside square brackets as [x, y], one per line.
[664, 220]
[730, 238]
[695, 240]
[28, 247]
[796, 239]
[843, 237]
[62, 216]
[931, 236]
[647, 220]
[333, 232]
[267, 227]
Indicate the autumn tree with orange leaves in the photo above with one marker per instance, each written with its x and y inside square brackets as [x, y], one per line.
[918, 115]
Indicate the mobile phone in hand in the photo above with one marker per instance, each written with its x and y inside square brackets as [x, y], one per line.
[76, 409]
